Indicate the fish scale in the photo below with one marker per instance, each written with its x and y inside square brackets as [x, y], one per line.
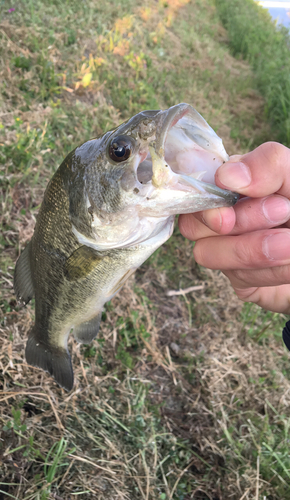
[108, 207]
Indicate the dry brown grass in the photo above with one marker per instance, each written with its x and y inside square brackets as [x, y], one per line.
[191, 378]
[175, 398]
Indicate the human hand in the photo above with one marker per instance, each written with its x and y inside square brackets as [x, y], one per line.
[250, 243]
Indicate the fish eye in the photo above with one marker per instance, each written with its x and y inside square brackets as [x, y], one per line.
[121, 148]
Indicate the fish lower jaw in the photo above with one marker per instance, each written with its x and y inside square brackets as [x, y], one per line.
[126, 233]
[173, 178]
[186, 149]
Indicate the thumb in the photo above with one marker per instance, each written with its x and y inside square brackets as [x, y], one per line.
[261, 172]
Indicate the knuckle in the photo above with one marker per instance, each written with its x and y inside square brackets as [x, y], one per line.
[271, 158]
[272, 151]
[245, 254]
[243, 214]
[186, 226]
[246, 294]
[281, 275]
[238, 279]
[199, 253]
[272, 148]
[275, 154]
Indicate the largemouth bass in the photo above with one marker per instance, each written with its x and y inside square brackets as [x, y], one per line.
[108, 207]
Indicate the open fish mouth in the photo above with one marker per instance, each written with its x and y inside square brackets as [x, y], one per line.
[181, 160]
[157, 165]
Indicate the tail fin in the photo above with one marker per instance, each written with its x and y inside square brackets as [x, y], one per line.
[53, 359]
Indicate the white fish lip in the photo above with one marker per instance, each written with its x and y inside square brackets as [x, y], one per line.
[230, 197]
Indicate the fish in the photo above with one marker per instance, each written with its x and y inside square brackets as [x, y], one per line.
[108, 207]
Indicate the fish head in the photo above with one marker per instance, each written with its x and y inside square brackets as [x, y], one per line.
[155, 165]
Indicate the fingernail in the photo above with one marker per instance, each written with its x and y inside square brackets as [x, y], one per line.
[277, 246]
[234, 175]
[276, 209]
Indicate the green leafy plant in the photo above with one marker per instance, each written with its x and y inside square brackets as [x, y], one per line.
[253, 35]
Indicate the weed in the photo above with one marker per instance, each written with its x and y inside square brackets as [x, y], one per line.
[254, 35]
[169, 401]
[260, 324]
[54, 461]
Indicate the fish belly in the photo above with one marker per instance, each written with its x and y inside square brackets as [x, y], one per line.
[115, 270]
[77, 302]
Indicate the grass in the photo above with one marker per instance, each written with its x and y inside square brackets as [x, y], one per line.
[181, 396]
[253, 35]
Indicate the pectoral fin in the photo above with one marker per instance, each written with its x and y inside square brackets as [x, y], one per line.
[87, 331]
[23, 284]
[53, 359]
[121, 281]
[81, 262]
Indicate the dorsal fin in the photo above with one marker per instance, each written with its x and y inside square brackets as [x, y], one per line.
[87, 331]
[23, 284]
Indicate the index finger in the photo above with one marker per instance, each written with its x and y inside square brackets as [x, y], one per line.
[261, 172]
